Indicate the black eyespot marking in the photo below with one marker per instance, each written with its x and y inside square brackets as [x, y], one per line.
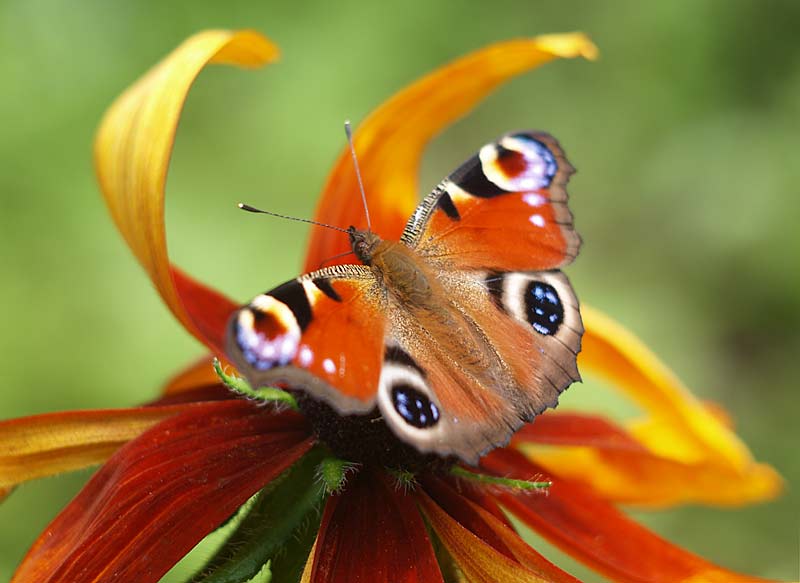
[293, 295]
[417, 409]
[397, 355]
[472, 179]
[445, 203]
[543, 307]
[324, 285]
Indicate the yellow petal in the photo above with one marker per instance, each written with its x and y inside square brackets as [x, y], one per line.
[656, 482]
[390, 141]
[49, 444]
[679, 428]
[135, 139]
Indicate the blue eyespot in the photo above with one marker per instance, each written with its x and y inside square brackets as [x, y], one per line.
[543, 308]
[414, 407]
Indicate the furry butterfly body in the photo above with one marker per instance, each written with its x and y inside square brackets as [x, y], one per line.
[458, 333]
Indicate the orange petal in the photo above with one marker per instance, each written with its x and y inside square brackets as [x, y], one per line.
[198, 374]
[390, 141]
[132, 152]
[599, 454]
[679, 428]
[44, 445]
[475, 511]
[479, 562]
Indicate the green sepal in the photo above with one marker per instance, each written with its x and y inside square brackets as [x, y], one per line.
[488, 480]
[404, 480]
[242, 387]
[332, 474]
[279, 514]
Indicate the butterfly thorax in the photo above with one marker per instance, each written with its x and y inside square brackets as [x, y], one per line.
[398, 269]
[411, 283]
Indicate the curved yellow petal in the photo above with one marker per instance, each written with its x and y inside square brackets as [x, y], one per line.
[49, 444]
[134, 142]
[695, 441]
[390, 141]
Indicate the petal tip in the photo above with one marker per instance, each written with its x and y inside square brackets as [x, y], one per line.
[569, 45]
[249, 49]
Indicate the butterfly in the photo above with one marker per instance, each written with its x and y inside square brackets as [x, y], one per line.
[455, 335]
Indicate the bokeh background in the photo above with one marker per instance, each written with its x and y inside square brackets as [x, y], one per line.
[685, 134]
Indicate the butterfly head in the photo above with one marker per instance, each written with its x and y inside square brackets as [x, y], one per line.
[364, 244]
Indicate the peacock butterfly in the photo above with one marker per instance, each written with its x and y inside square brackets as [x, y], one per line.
[455, 335]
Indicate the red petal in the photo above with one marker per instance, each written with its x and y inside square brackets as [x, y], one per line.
[373, 532]
[493, 531]
[208, 309]
[218, 392]
[596, 533]
[577, 429]
[162, 493]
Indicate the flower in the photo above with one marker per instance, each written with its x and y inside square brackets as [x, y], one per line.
[176, 469]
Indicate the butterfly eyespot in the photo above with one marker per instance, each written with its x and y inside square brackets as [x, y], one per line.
[414, 407]
[267, 333]
[543, 308]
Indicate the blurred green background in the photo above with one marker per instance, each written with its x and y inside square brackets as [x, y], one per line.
[685, 134]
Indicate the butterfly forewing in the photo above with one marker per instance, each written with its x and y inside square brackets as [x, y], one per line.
[503, 209]
[322, 332]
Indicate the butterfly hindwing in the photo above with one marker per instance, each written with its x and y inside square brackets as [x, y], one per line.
[504, 209]
[463, 396]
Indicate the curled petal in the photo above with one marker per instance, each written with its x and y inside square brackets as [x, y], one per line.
[49, 444]
[390, 141]
[594, 532]
[132, 151]
[162, 493]
[372, 532]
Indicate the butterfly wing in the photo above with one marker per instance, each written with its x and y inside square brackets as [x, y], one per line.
[504, 209]
[507, 353]
[496, 345]
[494, 233]
[322, 332]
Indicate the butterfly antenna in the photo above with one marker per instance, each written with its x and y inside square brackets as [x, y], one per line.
[349, 132]
[252, 209]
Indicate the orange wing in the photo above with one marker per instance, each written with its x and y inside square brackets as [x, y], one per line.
[509, 353]
[505, 209]
[322, 331]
